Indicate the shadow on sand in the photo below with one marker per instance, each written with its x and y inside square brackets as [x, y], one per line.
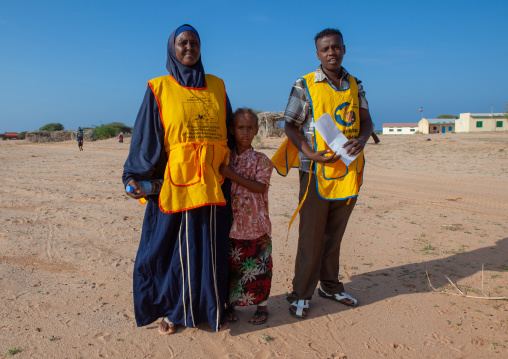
[400, 280]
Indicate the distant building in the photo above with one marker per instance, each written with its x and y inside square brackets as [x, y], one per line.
[399, 128]
[481, 122]
[436, 125]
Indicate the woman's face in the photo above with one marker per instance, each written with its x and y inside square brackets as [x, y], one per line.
[187, 48]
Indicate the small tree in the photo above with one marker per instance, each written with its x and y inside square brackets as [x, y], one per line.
[120, 127]
[52, 127]
[449, 117]
[103, 132]
[110, 130]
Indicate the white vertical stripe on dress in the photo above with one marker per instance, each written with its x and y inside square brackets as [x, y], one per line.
[188, 264]
[213, 250]
[183, 273]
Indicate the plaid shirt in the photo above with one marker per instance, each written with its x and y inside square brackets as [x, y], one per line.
[299, 110]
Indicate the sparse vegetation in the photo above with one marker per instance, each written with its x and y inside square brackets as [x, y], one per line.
[13, 351]
[452, 227]
[266, 338]
[428, 249]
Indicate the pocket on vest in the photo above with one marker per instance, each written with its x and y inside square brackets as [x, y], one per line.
[184, 166]
[334, 170]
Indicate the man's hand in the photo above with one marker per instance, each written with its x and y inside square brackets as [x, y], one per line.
[296, 137]
[134, 185]
[319, 156]
[355, 147]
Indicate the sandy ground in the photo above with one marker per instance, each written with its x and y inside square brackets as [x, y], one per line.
[69, 235]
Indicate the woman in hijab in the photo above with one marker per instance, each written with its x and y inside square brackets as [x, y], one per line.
[180, 135]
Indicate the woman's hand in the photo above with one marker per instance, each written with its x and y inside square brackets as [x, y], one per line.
[134, 185]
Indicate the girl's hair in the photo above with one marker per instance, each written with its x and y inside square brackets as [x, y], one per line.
[245, 111]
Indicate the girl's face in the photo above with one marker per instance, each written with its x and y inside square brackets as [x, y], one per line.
[244, 129]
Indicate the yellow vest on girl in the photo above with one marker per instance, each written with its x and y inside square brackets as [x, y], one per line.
[334, 181]
[195, 140]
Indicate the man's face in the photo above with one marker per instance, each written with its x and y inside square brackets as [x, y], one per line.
[330, 51]
[187, 48]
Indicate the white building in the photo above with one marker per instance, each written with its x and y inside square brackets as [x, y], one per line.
[481, 122]
[399, 128]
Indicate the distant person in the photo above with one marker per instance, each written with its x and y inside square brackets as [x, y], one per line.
[180, 135]
[120, 137]
[250, 245]
[329, 188]
[79, 135]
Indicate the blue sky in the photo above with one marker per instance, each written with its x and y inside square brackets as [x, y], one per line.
[83, 63]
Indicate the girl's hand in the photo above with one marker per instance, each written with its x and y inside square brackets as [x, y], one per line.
[226, 171]
[251, 185]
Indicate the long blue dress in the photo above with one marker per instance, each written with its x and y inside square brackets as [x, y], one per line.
[181, 266]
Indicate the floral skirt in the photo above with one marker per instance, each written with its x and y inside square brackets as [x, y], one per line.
[250, 270]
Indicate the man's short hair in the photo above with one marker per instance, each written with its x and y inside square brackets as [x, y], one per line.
[328, 32]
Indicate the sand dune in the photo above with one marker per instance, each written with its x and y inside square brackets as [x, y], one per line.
[69, 235]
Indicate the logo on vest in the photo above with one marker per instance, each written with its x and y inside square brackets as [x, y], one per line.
[198, 111]
[350, 117]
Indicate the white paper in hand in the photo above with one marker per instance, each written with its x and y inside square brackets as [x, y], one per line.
[333, 137]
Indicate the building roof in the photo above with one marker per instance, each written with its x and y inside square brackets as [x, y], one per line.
[409, 124]
[441, 121]
[488, 115]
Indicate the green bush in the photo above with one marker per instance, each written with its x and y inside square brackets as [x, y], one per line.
[102, 132]
[52, 127]
[110, 130]
[120, 127]
[22, 135]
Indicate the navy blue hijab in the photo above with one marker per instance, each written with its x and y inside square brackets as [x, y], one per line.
[193, 76]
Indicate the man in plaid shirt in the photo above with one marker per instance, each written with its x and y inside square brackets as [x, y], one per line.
[322, 221]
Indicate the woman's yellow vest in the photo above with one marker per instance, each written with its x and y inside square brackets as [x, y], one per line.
[195, 139]
[334, 181]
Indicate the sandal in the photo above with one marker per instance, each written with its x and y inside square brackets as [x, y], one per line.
[230, 315]
[223, 325]
[259, 314]
[166, 327]
[339, 298]
[300, 305]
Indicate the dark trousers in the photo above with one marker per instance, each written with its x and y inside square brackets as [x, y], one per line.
[322, 225]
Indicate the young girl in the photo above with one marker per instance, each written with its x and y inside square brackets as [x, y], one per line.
[250, 256]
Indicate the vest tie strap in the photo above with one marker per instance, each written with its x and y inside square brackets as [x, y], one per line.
[301, 203]
[200, 153]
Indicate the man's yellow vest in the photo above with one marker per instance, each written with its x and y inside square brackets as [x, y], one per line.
[195, 139]
[334, 181]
